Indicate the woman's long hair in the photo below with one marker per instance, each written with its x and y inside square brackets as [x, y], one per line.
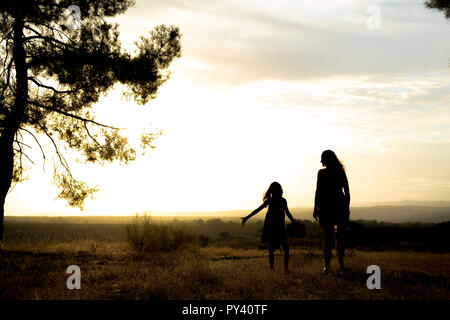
[331, 161]
[274, 191]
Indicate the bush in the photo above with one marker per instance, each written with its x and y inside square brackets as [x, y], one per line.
[203, 240]
[144, 235]
[296, 230]
[224, 235]
[437, 238]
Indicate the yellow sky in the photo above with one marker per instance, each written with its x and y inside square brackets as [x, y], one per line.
[259, 93]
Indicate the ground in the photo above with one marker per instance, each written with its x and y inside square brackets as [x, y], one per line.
[111, 270]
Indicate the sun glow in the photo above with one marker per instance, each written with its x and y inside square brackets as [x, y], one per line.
[256, 98]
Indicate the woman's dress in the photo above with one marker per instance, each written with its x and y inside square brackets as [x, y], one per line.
[330, 202]
[274, 232]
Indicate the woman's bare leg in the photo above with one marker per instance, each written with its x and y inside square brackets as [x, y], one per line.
[271, 257]
[340, 248]
[327, 244]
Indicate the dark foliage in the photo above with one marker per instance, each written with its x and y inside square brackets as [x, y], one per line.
[438, 237]
[441, 5]
[364, 235]
[297, 230]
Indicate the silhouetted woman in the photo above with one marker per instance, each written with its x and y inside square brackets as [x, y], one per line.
[274, 232]
[332, 205]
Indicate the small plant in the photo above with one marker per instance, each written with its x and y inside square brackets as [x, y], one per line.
[203, 240]
[224, 235]
[145, 235]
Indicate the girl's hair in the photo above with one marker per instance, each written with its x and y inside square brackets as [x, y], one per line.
[332, 162]
[274, 191]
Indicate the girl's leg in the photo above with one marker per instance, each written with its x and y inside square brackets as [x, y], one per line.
[327, 244]
[286, 256]
[340, 246]
[271, 257]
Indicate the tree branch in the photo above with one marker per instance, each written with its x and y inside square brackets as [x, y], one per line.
[37, 141]
[160, 49]
[23, 153]
[45, 38]
[7, 37]
[37, 104]
[89, 134]
[62, 160]
[39, 84]
[17, 141]
[7, 78]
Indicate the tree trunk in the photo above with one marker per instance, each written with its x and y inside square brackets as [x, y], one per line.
[14, 118]
[6, 171]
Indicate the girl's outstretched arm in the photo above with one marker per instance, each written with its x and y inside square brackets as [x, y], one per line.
[244, 219]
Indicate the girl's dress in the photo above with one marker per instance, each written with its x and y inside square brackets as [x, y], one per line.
[274, 232]
[330, 201]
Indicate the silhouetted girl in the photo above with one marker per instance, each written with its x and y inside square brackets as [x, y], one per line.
[274, 232]
[332, 205]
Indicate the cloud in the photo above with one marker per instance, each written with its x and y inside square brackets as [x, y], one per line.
[250, 40]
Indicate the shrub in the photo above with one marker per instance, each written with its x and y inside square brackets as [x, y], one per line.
[145, 235]
[297, 230]
[224, 235]
[203, 240]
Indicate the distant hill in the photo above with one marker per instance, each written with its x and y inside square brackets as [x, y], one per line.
[415, 203]
[386, 213]
[402, 213]
[406, 213]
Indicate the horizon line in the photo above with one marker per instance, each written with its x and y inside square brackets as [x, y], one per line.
[194, 213]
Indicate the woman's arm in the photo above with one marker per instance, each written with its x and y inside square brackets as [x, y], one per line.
[288, 213]
[316, 198]
[244, 219]
[346, 192]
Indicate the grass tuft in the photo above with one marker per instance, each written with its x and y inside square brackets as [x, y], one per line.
[146, 236]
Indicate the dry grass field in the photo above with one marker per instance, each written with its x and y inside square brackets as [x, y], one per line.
[111, 270]
[142, 258]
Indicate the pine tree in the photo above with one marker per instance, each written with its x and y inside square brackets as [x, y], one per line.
[57, 58]
[441, 5]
